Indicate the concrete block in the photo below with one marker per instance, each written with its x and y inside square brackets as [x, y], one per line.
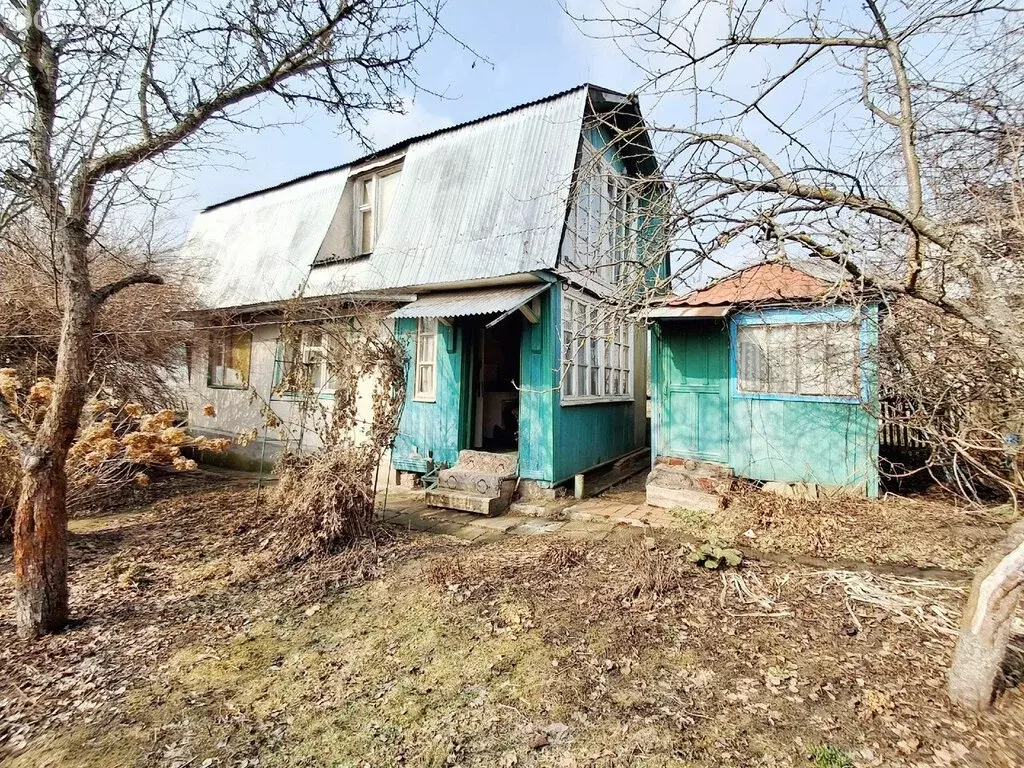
[684, 498]
[467, 502]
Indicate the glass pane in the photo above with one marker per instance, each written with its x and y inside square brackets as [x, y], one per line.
[842, 368]
[366, 231]
[425, 380]
[752, 365]
[782, 359]
[387, 186]
[366, 191]
[811, 357]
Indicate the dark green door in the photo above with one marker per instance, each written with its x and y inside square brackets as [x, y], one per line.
[697, 390]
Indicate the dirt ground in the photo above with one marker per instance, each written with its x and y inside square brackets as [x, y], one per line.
[915, 531]
[421, 650]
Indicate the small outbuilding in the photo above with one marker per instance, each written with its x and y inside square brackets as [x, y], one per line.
[768, 374]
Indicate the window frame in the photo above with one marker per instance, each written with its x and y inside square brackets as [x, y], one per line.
[589, 365]
[226, 348]
[372, 207]
[282, 361]
[785, 318]
[420, 361]
[603, 234]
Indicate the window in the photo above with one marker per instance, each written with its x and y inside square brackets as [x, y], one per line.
[309, 349]
[425, 383]
[228, 361]
[604, 225]
[374, 195]
[816, 359]
[597, 353]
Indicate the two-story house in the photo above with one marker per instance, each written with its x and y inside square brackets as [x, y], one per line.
[500, 249]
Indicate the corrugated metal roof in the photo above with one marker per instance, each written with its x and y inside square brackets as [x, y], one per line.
[259, 249]
[482, 202]
[771, 282]
[481, 301]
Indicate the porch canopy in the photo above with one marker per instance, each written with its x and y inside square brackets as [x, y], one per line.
[500, 300]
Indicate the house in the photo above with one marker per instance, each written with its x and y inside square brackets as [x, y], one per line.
[767, 374]
[498, 251]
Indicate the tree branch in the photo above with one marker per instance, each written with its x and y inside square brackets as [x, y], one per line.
[101, 295]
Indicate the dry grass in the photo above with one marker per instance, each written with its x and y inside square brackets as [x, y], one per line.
[527, 652]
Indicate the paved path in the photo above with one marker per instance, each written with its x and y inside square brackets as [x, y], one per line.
[589, 520]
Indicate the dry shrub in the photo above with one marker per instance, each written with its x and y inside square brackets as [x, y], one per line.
[325, 500]
[140, 337]
[654, 571]
[117, 443]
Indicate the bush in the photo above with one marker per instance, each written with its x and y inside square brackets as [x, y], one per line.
[115, 446]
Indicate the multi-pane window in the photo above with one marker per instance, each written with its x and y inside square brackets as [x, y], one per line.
[820, 359]
[374, 195]
[306, 362]
[228, 360]
[425, 381]
[597, 353]
[604, 223]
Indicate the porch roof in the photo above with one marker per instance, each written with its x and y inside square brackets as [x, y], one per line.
[480, 301]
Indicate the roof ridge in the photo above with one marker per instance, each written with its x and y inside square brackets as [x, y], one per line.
[407, 143]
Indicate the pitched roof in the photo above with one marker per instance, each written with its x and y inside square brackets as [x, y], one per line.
[770, 282]
[483, 200]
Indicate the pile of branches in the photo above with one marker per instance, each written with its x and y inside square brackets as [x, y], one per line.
[324, 499]
[956, 398]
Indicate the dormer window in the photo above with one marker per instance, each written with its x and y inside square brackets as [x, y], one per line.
[374, 194]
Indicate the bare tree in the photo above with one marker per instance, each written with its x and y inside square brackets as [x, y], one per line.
[99, 96]
[884, 138]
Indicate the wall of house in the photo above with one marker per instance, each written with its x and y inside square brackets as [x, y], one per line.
[787, 438]
[431, 429]
[589, 434]
[239, 410]
[555, 441]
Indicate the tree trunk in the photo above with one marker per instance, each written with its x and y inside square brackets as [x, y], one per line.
[986, 624]
[41, 552]
[40, 524]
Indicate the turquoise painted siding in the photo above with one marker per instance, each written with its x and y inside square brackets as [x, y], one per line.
[431, 427]
[831, 441]
[585, 435]
[537, 402]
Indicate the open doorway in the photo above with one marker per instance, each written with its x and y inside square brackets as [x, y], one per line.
[495, 377]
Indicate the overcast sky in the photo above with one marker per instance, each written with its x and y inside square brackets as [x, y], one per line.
[535, 50]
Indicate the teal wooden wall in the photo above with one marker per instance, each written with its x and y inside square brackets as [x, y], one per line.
[427, 427]
[830, 441]
[585, 435]
[555, 441]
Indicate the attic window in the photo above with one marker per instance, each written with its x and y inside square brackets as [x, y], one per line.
[374, 194]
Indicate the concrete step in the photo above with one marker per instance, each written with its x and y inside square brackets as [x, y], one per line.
[693, 467]
[680, 478]
[683, 498]
[467, 501]
[474, 482]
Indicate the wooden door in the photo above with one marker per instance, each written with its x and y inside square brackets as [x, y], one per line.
[697, 390]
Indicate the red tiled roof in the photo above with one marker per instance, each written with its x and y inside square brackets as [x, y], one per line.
[760, 283]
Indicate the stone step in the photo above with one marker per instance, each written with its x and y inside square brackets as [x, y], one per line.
[467, 502]
[682, 498]
[474, 482]
[681, 479]
[693, 467]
